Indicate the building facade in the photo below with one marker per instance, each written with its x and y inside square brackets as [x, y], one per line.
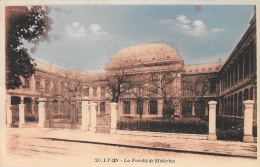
[158, 75]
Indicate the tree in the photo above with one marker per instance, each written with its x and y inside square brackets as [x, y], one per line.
[137, 88]
[29, 24]
[196, 87]
[165, 84]
[118, 76]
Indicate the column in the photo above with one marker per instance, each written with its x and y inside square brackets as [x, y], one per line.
[146, 108]
[132, 107]
[113, 118]
[98, 92]
[33, 83]
[160, 108]
[8, 115]
[248, 121]
[42, 112]
[21, 115]
[8, 111]
[93, 117]
[212, 120]
[90, 91]
[85, 113]
[178, 111]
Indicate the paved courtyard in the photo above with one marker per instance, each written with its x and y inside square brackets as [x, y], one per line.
[44, 147]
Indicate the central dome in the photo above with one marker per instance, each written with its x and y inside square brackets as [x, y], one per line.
[146, 53]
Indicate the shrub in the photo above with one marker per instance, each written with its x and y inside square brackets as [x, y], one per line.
[178, 125]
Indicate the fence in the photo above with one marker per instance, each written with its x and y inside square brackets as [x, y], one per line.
[63, 114]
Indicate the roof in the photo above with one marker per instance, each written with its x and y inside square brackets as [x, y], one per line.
[146, 53]
[203, 68]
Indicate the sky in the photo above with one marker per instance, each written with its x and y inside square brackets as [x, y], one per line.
[90, 35]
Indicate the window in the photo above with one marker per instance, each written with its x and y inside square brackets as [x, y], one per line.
[103, 107]
[94, 91]
[153, 107]
[212, 87]
[47, 85]
[126, 107]
[38, 84]
[139, 107]
[103, 91]
[27, 83]
[87, 91]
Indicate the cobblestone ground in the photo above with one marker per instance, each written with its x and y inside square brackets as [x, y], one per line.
[27, 150]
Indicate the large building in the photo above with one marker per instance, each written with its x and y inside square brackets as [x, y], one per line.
[159, 75]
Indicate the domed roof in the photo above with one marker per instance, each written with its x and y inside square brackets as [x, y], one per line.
[146, 53]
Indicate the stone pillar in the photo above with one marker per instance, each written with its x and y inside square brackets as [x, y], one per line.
[248, 121]
[21, 115]
[85, 113]
[212, 120]
[42, 112]
[93, 117]
[8, 115]
[113, 118]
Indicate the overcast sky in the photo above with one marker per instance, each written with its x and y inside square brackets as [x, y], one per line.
[89, 35]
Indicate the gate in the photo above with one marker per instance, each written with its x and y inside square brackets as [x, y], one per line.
[230, 128]
[15, 115]
[31, 111]
[103, 123]
[63, 114]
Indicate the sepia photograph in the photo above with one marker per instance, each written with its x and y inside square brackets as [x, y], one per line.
[117, 83]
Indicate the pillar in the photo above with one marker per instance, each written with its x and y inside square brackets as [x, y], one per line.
[160, 108]
[93, 117]
[113, 118]
[21, 115]
[212, 120]
[8, 115]
[85, 113]
[42, 112]
[8, 111]
[146, 107]
[248, 121]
